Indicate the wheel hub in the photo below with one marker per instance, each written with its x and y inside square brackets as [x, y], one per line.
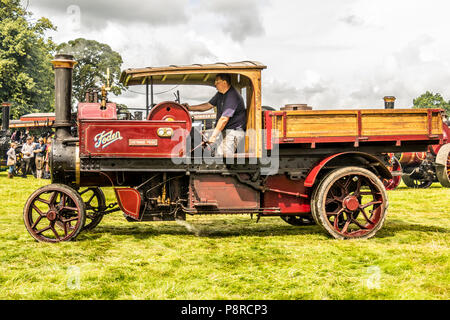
[51, 215]
[351, 203]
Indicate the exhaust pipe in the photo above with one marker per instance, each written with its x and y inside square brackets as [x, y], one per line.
[389, 102]
[5, 115]
[63, 65]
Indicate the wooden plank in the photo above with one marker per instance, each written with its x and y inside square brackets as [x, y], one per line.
[329, 123]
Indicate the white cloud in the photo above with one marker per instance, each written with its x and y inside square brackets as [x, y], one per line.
[329, 54]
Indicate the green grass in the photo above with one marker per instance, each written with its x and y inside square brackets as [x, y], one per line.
[229, 257]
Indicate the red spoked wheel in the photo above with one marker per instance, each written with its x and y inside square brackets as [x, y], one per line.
[350, 203]
[54, 213]
[395, 168]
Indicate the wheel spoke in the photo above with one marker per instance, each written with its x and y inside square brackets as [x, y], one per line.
[90, 199]
[36, 222]
[38, 210]
[53, 197]
[69, 220]
[70, 208]
[347, 183]
[334, 213]
[365, 216]
[65, 229]
[358, 188]
[42, 200]
[345, 228]
[43, 230]
[358, 224]
[370, 203]
[55, 232]
[339, 184]
[82, 192]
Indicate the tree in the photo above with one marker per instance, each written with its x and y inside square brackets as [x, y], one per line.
[93, 58]
[26, 75]
[430, 100]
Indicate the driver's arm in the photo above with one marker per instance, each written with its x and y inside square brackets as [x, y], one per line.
[219, 128]
[199, 107]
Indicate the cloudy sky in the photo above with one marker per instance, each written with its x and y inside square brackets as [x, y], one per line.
[327, 53]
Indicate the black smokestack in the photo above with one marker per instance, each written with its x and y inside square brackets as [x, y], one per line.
[389, 102]
[5, 115]
[63, 65]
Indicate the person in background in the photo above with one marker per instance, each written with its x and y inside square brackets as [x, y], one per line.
[48, 149]
[33, 161]
[13, 136]
[11, 162]
[27, 151]
[39, 154]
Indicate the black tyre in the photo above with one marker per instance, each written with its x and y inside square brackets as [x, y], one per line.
[350, 203]
[298, 221]
[416, 183]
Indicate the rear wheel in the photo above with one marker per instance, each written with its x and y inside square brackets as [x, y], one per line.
[95, 203]
[298, 221]
[350, 203]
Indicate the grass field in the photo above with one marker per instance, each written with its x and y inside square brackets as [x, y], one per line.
[229, 257]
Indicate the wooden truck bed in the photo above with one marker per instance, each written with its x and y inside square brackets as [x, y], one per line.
[356, 126]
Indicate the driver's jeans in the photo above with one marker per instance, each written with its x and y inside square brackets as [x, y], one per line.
[233, 142]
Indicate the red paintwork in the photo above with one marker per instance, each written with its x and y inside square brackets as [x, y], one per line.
[129, 200]
[221, 192]
[312, 175]
[351, 203]
[136, 139]
[286, 200]
[171, 111]
[268, 131]
[88, 110]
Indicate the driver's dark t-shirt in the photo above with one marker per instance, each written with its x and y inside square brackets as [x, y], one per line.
[230, 104]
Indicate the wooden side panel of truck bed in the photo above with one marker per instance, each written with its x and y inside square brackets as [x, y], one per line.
[301, 126]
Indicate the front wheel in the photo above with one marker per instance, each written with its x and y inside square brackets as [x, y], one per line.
[350, 203]
[54, 213]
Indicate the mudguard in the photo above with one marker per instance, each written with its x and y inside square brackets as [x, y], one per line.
[312, 175]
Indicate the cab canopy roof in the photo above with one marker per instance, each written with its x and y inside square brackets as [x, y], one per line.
[195, 74]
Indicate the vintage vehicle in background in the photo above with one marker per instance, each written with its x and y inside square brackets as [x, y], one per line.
[421, 169]
[305, 166]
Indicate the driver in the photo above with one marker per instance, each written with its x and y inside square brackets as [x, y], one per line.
[230, 118]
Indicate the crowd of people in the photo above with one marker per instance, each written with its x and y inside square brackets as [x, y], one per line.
[34, 156]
